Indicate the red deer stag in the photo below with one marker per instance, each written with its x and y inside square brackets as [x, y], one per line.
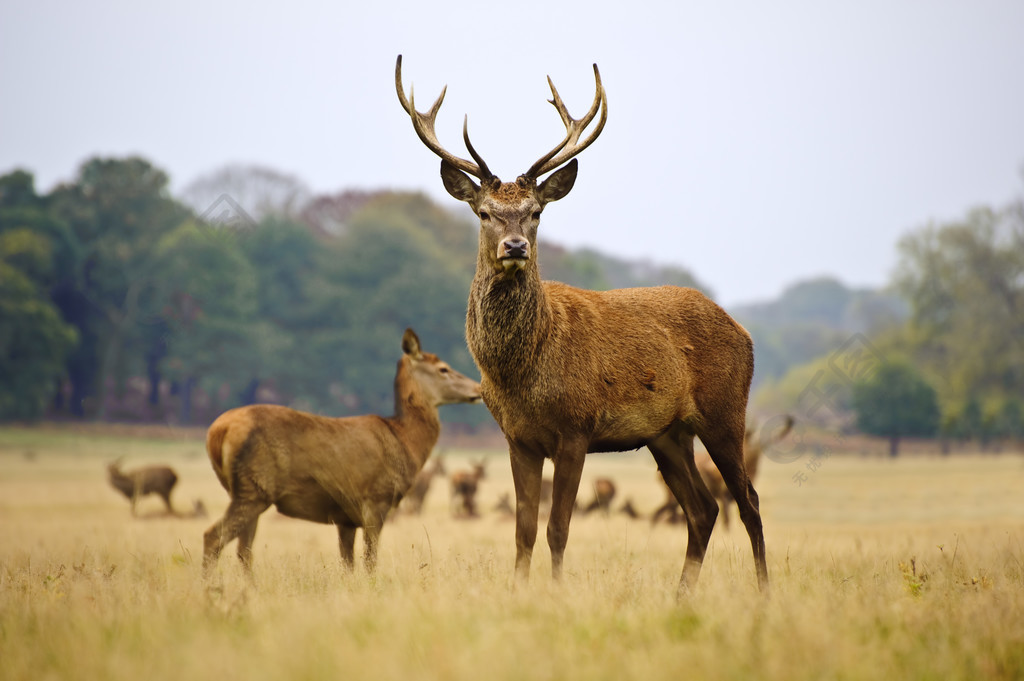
[134, 484]
[348, 471]
[567, 371]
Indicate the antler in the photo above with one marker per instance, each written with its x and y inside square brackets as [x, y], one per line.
[571, 146]
[423, 123]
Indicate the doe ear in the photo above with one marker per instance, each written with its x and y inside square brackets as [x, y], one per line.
[559, 183]
[458, 183]
[411, 344]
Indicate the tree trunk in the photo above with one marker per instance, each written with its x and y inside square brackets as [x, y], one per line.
[894, 446]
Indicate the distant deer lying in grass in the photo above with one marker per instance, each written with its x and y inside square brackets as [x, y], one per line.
[137, 483]
[464, 488]
[604, 492]
[417, 494]
[348, 471]
[753, 447]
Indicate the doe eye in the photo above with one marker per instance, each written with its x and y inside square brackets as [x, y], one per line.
[444, 370]
[536, 216]
[484, 215]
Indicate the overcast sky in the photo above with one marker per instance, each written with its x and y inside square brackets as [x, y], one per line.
[754, 143]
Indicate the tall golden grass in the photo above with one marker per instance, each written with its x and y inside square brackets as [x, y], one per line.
[912, 569]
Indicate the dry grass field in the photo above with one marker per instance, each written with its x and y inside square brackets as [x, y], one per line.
[912, 569]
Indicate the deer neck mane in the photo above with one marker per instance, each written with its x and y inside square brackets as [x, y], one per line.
[508, 318]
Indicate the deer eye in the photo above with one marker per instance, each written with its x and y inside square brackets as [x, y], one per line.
[536, 215]
[484, 215]
[444, 370]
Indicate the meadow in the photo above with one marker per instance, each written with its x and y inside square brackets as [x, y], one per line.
[908, 569]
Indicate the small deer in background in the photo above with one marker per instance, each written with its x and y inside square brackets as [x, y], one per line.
[566, 371]
[604, 492]
[137, 483]
[413, 501]
[464, 487]
[348, 472]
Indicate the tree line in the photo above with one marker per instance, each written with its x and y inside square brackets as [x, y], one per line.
[119, 301]
[945, 361]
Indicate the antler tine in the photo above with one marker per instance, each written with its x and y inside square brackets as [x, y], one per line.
[570, 146]
[423, 124]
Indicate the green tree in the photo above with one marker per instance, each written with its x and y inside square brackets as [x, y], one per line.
[34, 339]
[964, 282]
[896, 402]
[206, 297]
[117, 211]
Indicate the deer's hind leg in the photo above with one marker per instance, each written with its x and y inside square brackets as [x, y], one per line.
[239, 519]
[726, 450]
[673, 451]
[245, 539]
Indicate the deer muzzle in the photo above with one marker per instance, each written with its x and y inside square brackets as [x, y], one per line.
[513, 252]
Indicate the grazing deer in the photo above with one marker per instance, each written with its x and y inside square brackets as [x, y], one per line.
[604, 492]
[412, 502]
[348, 471]
[159, 480]
[464, 488]
[567, 371]
[753, 448]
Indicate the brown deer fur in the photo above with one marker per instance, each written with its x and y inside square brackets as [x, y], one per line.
[567, 371]
[348, 472]
[134, 484]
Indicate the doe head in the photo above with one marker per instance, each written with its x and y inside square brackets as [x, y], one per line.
[439, 382]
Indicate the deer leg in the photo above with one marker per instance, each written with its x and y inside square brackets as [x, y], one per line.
[237, 518]
[726, 451]
[373, 523]
[674, 455]
[245, 538]
[347, 543]
[526, 477]
[566, 484]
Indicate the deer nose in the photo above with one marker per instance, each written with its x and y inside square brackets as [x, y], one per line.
[516, 248]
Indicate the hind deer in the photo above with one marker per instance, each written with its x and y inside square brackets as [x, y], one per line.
[349, 472]
[464, 485]
[567, 371]
[134, 484]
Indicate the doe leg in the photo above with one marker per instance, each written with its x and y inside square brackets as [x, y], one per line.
[245, 539]
[235, 521]
[347, 543]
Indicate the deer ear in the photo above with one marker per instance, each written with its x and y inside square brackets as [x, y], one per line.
[559, 183]
[458, 183]
[411, 344]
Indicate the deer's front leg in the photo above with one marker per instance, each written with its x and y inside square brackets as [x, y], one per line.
[526, 476]
[566, 483]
